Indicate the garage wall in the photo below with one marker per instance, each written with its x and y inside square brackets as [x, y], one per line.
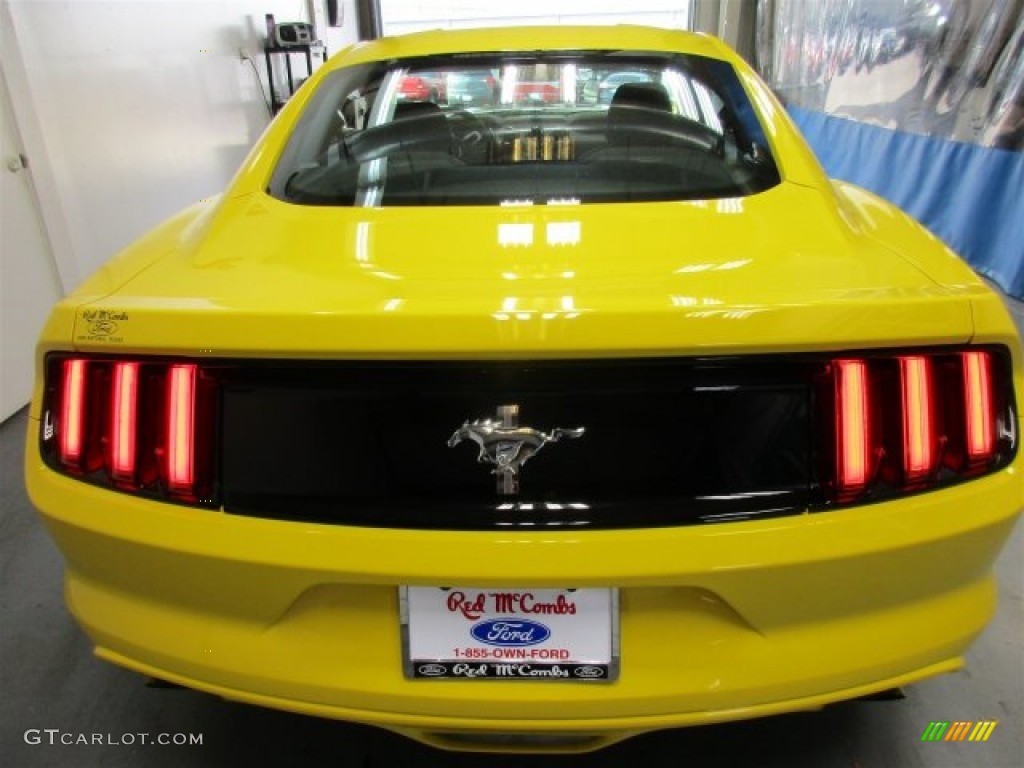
[127, 111]
[28, 278]
[403, 16]
[142, 107]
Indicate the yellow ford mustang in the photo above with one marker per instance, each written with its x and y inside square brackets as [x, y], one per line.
[530, 389]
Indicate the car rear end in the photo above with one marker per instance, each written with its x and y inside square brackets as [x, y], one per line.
[754, 568]
[770, 432]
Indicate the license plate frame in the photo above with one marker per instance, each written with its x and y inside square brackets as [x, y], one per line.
[520, 634]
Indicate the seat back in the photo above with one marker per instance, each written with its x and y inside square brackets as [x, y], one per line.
[640, 96]
[637, 114]
[411, 110]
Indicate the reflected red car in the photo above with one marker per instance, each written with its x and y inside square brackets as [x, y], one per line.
[422, 86]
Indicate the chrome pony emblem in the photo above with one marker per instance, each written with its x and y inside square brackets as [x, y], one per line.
[506, 445]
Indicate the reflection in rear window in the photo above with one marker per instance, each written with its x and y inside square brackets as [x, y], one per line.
[589, 127]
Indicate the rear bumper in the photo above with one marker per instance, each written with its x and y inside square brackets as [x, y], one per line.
[718, 622]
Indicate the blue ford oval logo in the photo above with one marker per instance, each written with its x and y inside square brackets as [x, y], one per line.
[513, 632]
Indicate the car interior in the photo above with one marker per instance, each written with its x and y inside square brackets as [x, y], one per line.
[490, 137]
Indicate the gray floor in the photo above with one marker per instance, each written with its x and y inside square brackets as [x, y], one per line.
[50, 680]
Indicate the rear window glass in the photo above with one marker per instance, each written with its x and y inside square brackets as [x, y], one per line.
[588, 127]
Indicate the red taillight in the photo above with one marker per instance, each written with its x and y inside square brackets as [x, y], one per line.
[124, 406]
[980, 426]
[908, 422]
[140, 425]
[916, 388]
[72, 413]
[853, 426]
[181, 396]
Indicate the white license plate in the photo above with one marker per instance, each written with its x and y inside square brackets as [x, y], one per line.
[470, 633]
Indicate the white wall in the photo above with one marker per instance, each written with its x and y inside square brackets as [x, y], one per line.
[28, 278]
[339, 37]
[142, 107]
[404, 16]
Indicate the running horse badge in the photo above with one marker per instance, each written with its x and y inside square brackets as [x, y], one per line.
[507, 445]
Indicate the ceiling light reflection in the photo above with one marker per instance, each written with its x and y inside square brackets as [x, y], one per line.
[730, 205]
[563, 233]
[362, 242]
[510, 235]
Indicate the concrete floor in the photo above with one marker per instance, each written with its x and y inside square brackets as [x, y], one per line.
[50, 680]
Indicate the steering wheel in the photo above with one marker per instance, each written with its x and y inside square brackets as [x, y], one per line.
[471, 136]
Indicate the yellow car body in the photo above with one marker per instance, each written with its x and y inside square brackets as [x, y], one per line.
[715, 622]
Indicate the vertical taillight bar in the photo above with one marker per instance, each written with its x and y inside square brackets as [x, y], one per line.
[901, 423]
[124, 406]
[141, 425]
[980, 433]
[180, 449]
[853, 426]
[916, 386]
[72, 412]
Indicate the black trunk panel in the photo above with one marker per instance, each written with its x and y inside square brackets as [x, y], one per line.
[667, 442]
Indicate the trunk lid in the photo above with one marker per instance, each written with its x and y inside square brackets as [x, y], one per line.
[777, 271]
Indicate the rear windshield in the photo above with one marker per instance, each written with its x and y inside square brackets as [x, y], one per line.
[588, 127]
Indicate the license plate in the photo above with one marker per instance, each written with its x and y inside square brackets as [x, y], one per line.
[468, 633]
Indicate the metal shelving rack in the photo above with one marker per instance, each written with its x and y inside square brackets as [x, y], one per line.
[272, 53]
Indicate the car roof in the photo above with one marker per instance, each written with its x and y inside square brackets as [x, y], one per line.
[532, 38]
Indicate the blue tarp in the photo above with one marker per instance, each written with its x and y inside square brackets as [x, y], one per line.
[970, 196]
